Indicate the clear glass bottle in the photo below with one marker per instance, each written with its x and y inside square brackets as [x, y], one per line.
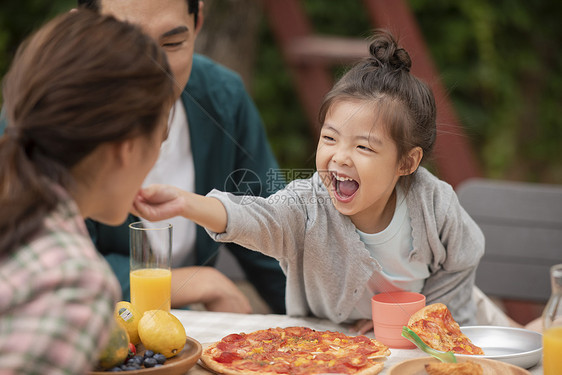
[552, 325]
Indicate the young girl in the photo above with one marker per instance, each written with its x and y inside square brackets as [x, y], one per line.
[371, 219]
[86, 101]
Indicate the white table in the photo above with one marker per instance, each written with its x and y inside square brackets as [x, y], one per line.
[207, 327]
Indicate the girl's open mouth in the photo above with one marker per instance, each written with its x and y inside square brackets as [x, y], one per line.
[344, 187]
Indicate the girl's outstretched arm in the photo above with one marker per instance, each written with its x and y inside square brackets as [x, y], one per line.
[161, 202]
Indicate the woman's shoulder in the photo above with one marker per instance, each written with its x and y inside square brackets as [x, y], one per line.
[64, 236]
[63, 249]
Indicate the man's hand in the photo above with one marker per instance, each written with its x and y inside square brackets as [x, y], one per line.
[208, 286]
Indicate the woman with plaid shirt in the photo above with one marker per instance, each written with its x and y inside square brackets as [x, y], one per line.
[86, 101]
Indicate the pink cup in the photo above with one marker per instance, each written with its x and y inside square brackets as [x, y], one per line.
[391, 311]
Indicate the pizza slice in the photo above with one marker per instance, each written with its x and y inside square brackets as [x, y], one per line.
[435, 325]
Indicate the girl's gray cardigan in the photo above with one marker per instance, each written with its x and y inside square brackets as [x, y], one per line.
[327, 265]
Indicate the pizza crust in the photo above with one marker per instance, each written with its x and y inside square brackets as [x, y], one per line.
[375, 369]
[219, 368]
[225, 370]
[425, 312]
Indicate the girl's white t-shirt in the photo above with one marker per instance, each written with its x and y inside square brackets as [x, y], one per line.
[175, 167]
[391, 248]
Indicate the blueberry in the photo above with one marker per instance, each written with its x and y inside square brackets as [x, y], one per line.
[158, 365]
[138, 359]
[148, 354]
[115, 369]
[160, 358]
[150, 362]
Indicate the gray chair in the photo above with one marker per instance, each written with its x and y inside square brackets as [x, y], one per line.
[522, 223]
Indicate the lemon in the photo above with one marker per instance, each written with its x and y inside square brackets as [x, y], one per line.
[162, 332]
[126, 314]
[116, 349]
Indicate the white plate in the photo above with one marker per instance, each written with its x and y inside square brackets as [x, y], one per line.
[517, 346]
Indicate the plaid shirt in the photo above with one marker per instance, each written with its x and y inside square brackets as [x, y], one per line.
[56, 299]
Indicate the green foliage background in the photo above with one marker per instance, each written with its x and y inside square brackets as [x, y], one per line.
[19, 18]
[501, 62]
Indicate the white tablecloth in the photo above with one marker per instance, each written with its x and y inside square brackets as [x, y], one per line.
[207, 327]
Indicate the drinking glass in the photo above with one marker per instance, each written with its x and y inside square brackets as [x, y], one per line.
[552, 325]
[150, 245]
[391, 311]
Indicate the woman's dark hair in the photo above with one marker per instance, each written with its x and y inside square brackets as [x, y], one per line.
[80, 81]
[404, 104]
[192, 6]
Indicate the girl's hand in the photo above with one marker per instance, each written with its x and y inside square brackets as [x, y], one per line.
[158, 202]
[363, 326]
[161, 202]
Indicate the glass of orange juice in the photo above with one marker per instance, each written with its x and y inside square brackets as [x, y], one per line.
[552, 325]
[150, 245]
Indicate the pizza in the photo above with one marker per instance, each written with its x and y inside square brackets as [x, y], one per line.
[435, 325]
[295, 350]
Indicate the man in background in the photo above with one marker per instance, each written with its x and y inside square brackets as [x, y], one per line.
[216, 140]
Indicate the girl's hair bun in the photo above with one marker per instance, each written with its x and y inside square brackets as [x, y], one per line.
[385, 52]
